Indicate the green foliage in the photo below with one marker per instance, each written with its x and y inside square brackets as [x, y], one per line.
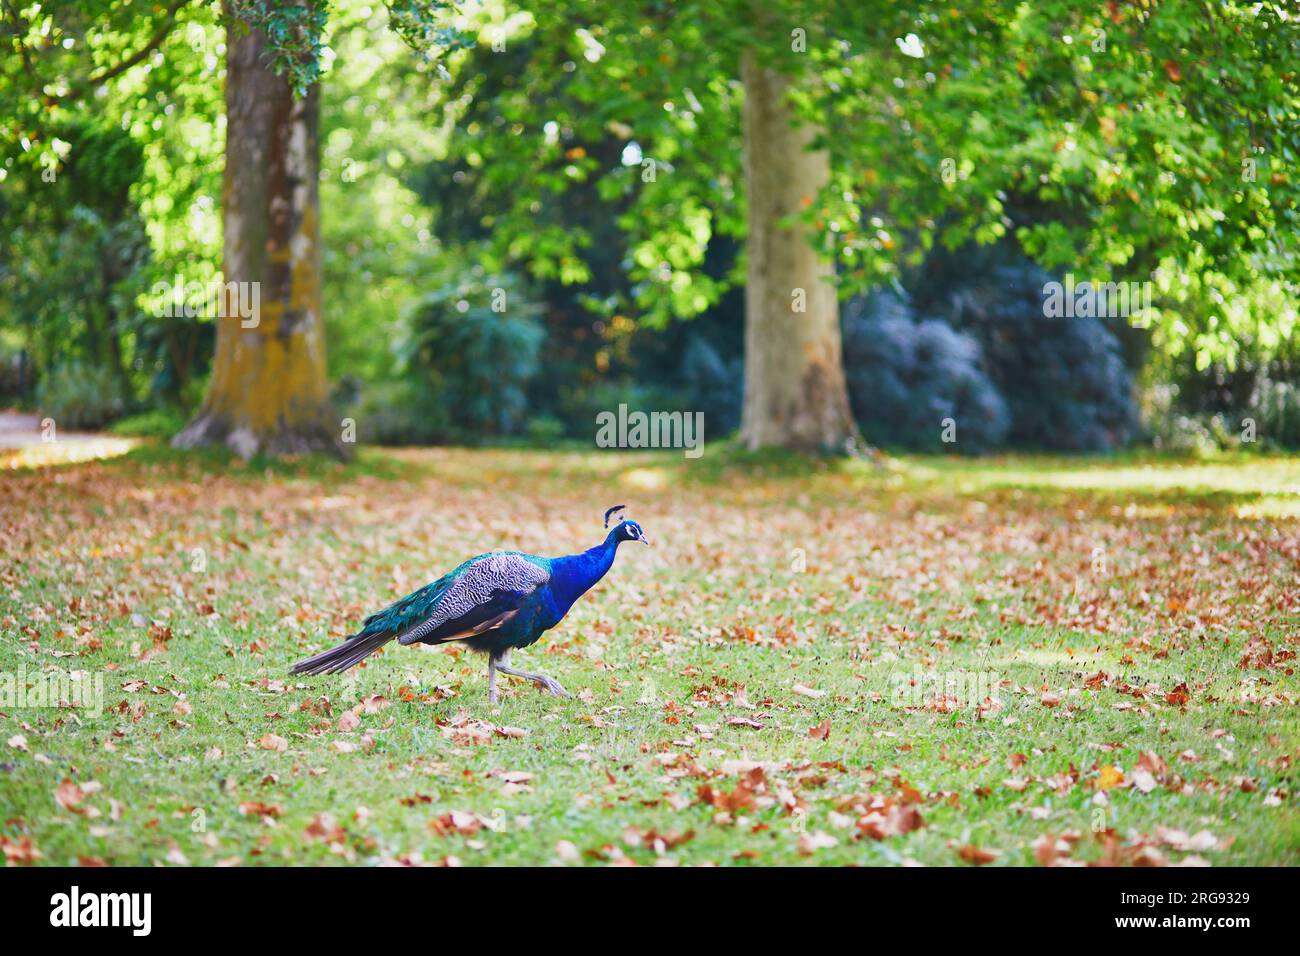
[423, 26]
[621, 141]
[713, 385]
[293, 32]
[1200, 404]
[116, 186]
[1265, 417]
[472, 346]
[544, 431]
[599, 150]
[1277, 410]
[1198, 435]
[82, 250]
[1137, 124]
[378, 242]
[59, 54]
[162, 423]
[1134, 123]
[15, 374]
[399, 412]
[78, 395]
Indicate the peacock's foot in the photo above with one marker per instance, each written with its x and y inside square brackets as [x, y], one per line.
[547, 684]
[551, 686]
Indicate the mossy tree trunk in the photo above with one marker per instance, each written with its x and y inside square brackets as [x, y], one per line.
[269, 391]
[795, 394]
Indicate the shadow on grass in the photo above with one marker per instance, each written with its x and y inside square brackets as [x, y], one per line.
[160, 460]
[1249, 485]
[727, 460]
[1146, 500]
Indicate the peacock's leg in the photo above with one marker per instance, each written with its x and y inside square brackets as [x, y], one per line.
[550, 685]
[492, 679]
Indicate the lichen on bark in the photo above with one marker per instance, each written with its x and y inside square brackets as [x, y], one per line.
[269, 392]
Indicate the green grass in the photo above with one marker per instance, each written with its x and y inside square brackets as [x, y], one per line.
[768, 572]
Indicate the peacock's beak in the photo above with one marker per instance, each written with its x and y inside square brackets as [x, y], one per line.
[643, 539]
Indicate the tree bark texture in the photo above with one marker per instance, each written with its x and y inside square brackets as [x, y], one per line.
[269, 389]
[795, 393]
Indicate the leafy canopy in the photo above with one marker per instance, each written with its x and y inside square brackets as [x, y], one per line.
[1154, 140]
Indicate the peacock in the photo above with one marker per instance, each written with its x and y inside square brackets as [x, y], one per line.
[495, 603]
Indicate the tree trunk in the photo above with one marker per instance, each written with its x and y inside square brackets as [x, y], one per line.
[795, 396]
[269, 392]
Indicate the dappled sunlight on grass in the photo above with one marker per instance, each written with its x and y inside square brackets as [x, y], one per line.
[1253, 487]
[1255, 476]
[1066, 659]
[1270, 507]
[645, 479]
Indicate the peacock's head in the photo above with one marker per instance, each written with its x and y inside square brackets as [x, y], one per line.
[626, 530]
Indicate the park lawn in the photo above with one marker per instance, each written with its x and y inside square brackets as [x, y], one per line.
[1115, 640]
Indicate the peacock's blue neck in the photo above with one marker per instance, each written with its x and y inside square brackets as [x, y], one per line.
[573, 575]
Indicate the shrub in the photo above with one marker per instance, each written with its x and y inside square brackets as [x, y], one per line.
[1200, 435]
[1276, 410]
[1267, 392]
[15, 375]
[466, 365]
[161, 422]
[399, 412]
[544, 431]
[906, 377]
[713, 386]
[79, 395]
[607, 396]
[1064, 380]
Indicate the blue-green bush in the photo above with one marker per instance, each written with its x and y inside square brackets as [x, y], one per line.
[713, 386]
[906, 379]
[468, 353]
[1065, 381]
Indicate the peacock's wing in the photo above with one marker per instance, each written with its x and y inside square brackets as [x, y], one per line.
[481, 594]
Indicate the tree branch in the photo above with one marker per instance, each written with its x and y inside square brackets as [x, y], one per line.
[108, 73]
[19, 28]
[154, 42]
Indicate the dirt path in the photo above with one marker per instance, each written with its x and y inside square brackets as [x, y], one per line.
[25, 443]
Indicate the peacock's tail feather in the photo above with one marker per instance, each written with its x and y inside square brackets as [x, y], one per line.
[352, 651]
